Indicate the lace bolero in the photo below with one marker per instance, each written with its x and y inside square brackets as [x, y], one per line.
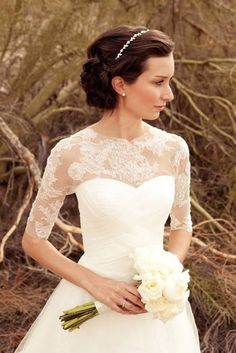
[88, 154]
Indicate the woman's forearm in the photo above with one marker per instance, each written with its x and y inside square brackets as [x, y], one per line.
[179, 242]
[42, 251]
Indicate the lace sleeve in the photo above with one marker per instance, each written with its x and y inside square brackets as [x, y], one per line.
[55, 185]
[180, 214]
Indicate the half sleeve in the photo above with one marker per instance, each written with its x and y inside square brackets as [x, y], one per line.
[55, 185]
[180, 214]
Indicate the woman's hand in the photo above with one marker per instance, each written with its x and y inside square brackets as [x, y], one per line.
[113, 293]
[109, 292]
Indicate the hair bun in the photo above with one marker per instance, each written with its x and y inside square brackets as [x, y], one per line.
[95, 81]
[92, 65]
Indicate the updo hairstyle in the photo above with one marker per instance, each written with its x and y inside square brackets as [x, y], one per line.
[101, 66]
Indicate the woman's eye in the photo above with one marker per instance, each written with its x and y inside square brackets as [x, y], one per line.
[158, 83]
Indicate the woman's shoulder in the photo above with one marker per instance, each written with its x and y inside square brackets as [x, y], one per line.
[73, 140]
[172, 139]
[66, 148]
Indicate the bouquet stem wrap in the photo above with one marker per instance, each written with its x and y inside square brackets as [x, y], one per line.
[73, 318]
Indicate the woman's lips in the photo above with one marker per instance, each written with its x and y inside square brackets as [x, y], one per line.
[162, 107]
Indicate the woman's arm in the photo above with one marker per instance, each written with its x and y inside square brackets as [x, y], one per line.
[108, 291]
[56, 183]
[181, 223]
[42, 251]
[179, 242]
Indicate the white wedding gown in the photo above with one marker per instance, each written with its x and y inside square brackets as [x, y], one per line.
[125, 190]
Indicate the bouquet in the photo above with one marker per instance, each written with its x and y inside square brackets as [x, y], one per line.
[163, 286]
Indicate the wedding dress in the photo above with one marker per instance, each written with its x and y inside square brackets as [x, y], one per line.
[126, 189]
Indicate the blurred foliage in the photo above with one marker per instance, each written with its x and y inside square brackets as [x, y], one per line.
[42, 48]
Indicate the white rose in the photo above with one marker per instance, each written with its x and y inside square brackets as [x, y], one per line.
[154, 259]
[168, 263]
[176, 285]
[158, 305]
[145, 265]
[163, 310]
[167, 314]
[151, 287]
[145, 258]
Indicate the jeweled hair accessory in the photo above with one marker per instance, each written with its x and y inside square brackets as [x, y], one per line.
[129, 41]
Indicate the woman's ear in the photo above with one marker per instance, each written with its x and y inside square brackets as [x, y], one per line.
[118, 84]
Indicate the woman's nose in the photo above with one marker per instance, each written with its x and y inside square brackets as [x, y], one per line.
[168, 95]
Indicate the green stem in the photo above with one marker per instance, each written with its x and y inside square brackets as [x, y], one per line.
[79, 307]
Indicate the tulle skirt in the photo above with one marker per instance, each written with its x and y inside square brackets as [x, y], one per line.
[109, 332]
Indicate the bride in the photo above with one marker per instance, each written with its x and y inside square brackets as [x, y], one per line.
[128, 177]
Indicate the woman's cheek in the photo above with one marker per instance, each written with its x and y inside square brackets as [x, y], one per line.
[156, 94]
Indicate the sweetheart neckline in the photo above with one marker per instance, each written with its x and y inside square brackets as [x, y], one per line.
[122, 182]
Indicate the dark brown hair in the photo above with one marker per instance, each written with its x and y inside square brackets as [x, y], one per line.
[101, 65]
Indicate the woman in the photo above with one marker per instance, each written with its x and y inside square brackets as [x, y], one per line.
[128, 177]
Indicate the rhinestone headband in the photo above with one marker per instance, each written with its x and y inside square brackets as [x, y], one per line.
[129, 41]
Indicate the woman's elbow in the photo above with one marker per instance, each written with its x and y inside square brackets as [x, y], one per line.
[29, 243]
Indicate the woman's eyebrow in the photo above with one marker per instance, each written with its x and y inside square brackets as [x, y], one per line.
[163, 76]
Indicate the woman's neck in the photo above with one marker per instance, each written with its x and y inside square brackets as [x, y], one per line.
[116, 126]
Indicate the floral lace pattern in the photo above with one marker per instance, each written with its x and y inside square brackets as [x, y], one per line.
[88, 154]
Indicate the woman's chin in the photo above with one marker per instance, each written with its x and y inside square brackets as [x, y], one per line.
[152, 117]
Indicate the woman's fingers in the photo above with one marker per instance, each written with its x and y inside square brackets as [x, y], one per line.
[118, 295]
[125, 304]
[129, 298]
[134, 300]
[133, 295]
[130, 306]
[132, 288]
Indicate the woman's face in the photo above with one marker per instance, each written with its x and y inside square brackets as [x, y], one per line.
[151, 90]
